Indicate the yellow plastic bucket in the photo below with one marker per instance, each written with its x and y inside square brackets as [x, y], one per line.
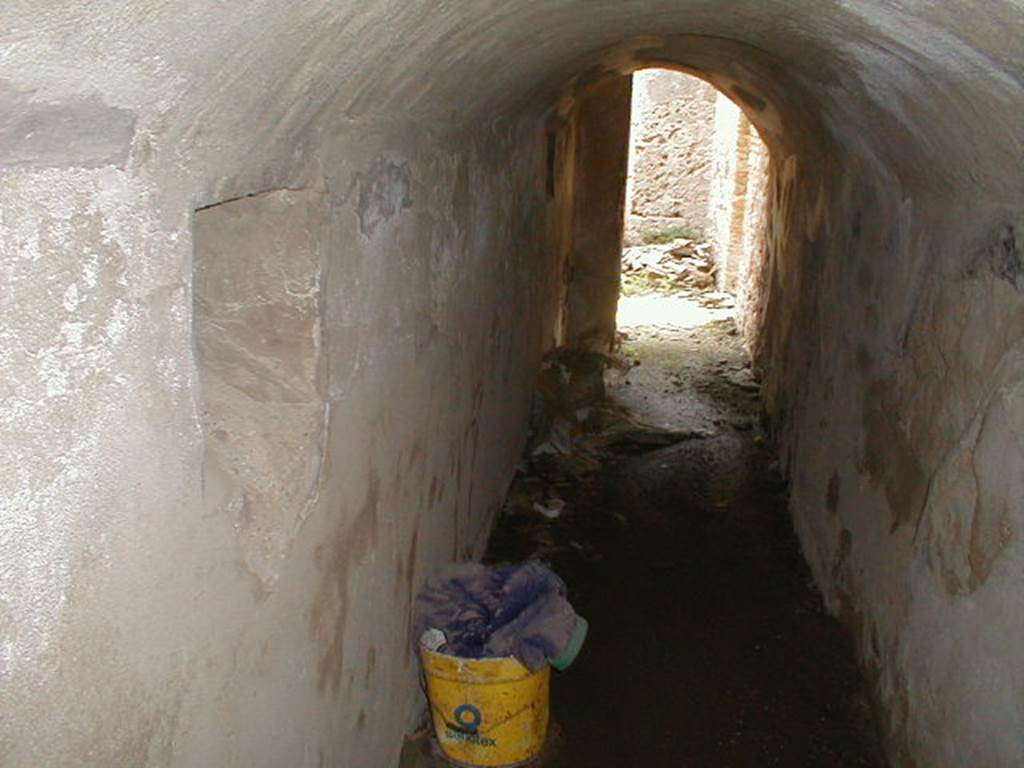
[487, 712]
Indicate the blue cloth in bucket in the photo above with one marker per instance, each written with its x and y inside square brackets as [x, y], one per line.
[511, 610]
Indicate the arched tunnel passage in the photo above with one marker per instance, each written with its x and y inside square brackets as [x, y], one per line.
[655, 492]
[141, 625]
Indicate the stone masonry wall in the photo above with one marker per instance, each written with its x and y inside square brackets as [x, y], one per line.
[671, 153]
[737, 198]
[696, 162]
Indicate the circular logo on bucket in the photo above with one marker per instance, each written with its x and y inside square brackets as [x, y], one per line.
[468, 717]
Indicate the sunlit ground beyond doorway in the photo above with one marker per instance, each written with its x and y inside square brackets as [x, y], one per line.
[667, 311]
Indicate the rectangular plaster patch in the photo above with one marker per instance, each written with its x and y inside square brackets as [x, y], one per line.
[82, 132]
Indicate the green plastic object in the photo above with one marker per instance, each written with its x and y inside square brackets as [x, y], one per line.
[572, 650]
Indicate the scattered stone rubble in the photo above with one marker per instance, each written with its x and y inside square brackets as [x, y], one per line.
[574, 426]
[676, 266]
[574, 429]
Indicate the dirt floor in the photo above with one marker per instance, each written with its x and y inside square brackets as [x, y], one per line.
[708, 644]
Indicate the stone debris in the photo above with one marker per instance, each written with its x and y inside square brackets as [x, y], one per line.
[574, 430]
[679, 266]
[682, 268]
[569, 386]
[717, 300]
[550, 509]
[743, 379]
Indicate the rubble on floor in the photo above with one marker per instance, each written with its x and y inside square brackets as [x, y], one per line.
[676, 545]
[575, 428]
[708, 639]
[682, 266]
